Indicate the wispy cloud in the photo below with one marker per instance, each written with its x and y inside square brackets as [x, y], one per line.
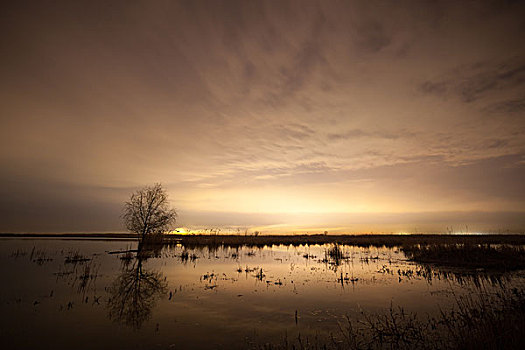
[473, 82]
[511, 106]
[291, 105]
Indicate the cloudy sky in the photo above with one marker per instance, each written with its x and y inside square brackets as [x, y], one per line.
[273, 115]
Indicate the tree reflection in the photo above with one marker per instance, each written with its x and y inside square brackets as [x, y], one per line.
[135, 293]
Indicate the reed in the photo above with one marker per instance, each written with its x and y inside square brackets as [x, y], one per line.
[481, 321]
[194, 241]
[473, 256]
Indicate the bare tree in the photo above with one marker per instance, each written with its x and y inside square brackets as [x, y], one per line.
[148, 212]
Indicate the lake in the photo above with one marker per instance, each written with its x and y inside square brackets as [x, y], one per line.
[87, 294]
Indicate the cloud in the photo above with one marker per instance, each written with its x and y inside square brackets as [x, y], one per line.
[295, 131]
[507, 107]
[291, 105]
[358, 133]
[476, 81]
[371, 37]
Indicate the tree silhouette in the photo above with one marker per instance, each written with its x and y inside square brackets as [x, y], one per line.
[147, 213]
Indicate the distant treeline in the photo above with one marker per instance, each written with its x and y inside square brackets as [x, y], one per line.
[364, 240]
[71, 235]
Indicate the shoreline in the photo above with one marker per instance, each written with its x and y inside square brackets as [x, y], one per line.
[265, 240]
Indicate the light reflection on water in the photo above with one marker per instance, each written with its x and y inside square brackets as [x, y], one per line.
[67, 293]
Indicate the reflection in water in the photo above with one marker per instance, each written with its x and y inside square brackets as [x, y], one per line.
[430, 274]
[335, 256]
[182, 292]
[134, 294]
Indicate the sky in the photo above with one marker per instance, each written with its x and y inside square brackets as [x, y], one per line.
[279, 116]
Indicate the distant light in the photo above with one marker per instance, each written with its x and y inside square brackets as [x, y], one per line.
[180, 231]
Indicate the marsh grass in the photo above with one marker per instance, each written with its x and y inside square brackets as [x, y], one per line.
[74, 257]
[462, 277]
[18, 253]
[185, 256]
[488, 252]
[335, 252]
[476, 321]
[474, 256]
[195, 241]
[493, 321]
[335, 255]
[37, 256]
[86, 277]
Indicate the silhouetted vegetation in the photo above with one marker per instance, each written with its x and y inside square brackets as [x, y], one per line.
[75, 258]
[335, 255]
[355, 240]
[495, 252]
[148, 214]
[466, 264]
[482, 321]
[463, 277]
[361, 240]
[480, 256]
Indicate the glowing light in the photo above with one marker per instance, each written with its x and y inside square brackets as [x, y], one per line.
[180, 231]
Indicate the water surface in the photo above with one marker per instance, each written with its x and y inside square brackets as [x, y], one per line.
[84, 294]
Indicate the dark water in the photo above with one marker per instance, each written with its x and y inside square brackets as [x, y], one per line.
[74, 294]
